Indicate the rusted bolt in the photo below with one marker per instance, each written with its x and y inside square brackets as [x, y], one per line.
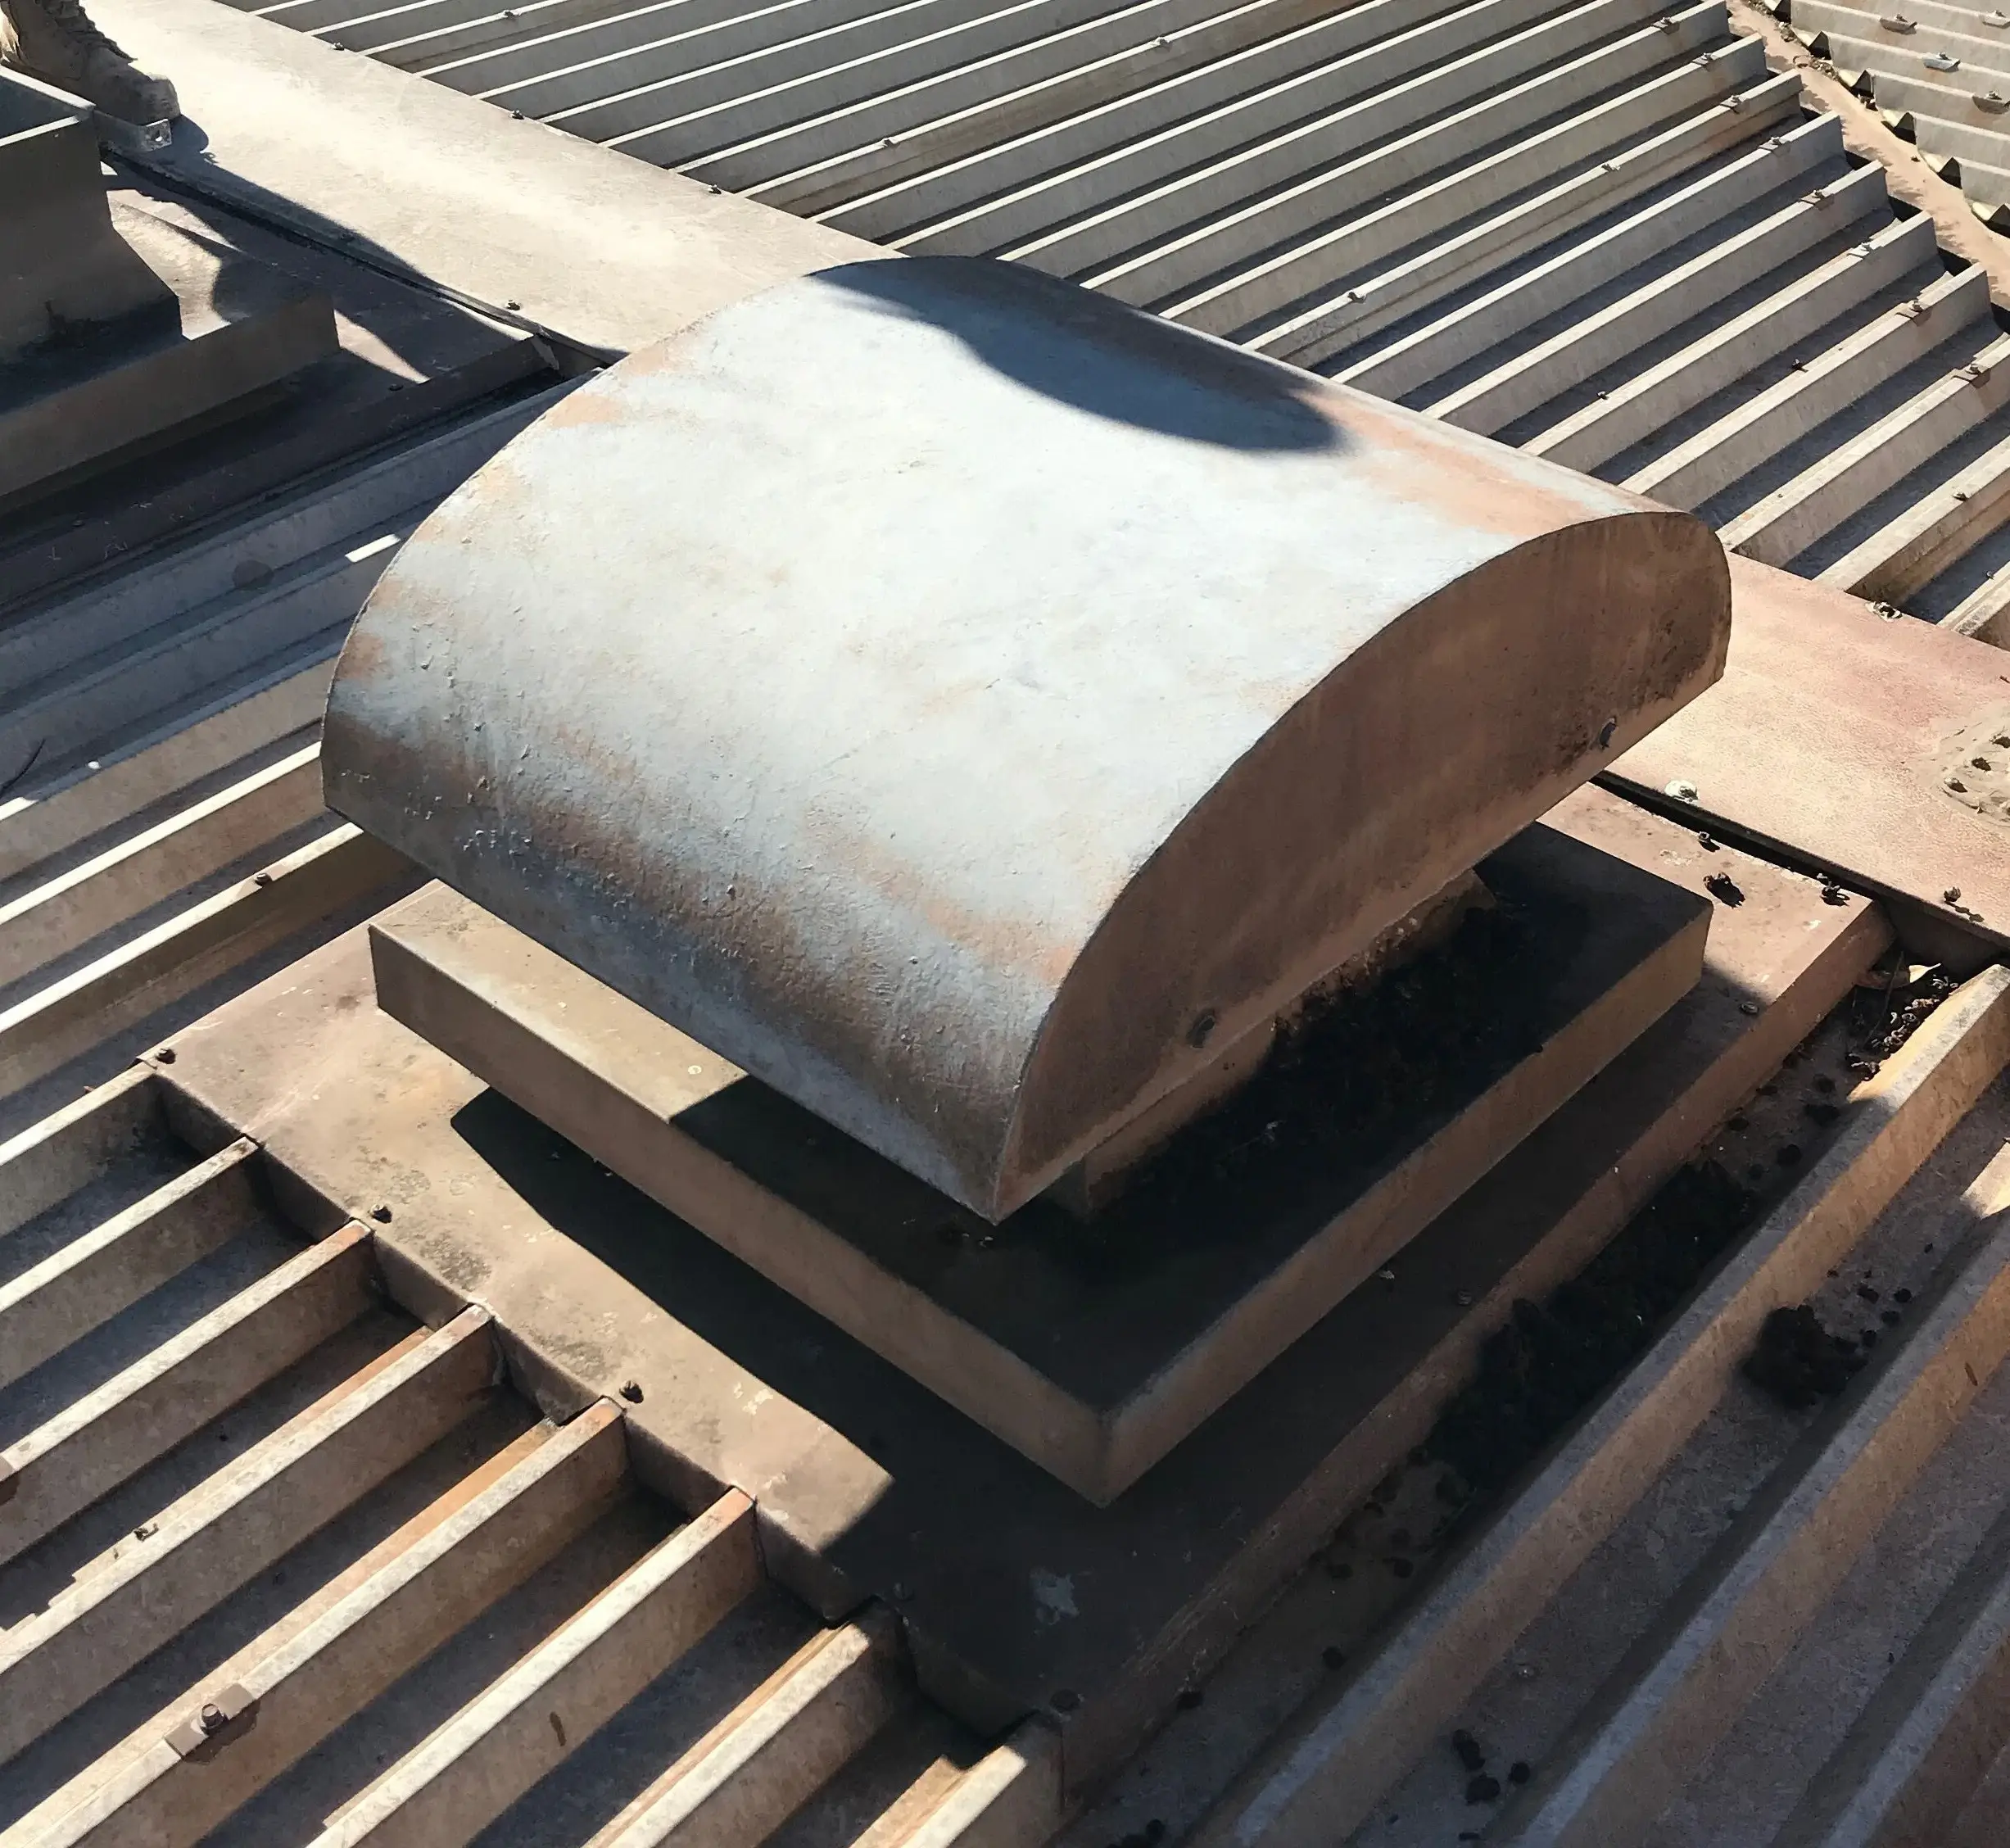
[632, 1391]
[1951, 895]
[1203, 1028]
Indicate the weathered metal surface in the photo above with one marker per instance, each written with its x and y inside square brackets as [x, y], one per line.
[1093, 1357]
[1832, 737]
[60, 261]
[866, 1483]
[963, 702]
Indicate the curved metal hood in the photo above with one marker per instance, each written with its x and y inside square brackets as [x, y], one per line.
[968, 703]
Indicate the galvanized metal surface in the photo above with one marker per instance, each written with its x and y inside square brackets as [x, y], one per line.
[975, 756]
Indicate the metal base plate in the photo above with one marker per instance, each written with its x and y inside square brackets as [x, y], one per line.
[1013, 1589]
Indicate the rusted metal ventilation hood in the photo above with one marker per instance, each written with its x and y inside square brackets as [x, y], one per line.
[968, 704]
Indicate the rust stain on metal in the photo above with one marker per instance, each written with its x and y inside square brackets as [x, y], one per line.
[221, 1720]
[1973, 766]
[586, 406]
[1826, 735]
[940, 757]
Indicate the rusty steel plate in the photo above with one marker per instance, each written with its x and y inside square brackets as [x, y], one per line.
[1833, 738]
[970, 704]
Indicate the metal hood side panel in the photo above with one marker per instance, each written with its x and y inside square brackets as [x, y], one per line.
[824, 678]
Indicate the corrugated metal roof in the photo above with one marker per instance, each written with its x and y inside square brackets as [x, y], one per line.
[1606, 232]
[276, 1562]
[1591, 251]
[1939, 74]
